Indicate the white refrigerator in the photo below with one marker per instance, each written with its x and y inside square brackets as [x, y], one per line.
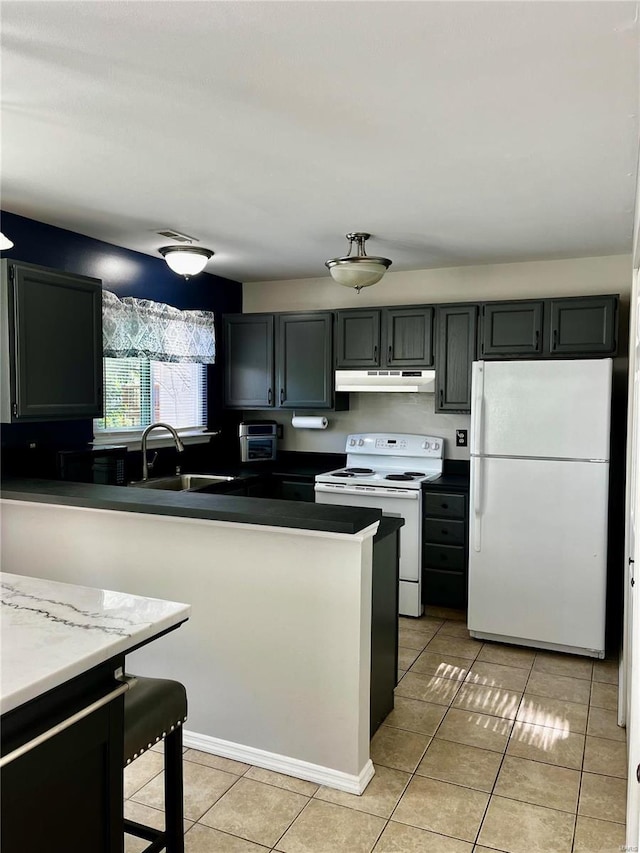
[538, 503]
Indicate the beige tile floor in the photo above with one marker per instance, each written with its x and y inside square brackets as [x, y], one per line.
[489, 748]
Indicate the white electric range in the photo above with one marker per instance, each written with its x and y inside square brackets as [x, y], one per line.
[387, 470]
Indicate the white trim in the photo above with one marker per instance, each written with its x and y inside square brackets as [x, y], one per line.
[158, 438]
[282, 763]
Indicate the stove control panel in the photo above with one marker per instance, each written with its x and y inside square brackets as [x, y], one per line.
[396, 444]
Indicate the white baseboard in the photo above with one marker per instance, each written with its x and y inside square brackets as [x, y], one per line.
[352, 784]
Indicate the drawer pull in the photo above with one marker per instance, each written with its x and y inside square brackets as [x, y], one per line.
[444, 506]
[444, 532]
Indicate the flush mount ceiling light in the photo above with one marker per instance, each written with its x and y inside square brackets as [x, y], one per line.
[359, 270]
[5, 242]
[186, 260]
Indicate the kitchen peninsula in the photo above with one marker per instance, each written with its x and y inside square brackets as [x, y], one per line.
[62, 703]
[277, 661]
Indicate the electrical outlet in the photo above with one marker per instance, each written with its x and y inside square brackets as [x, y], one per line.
[461, 438]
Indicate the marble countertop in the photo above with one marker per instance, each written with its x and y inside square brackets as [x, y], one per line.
[52, 632]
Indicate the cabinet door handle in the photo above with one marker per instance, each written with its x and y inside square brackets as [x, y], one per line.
[390, 353]
[554, 343]
[375, 352]
[269, 396]
[441, 397]
[281, 396]
[537, 341]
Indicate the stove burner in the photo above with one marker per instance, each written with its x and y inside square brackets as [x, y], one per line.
[415, 473]
[398, 477]
[359, 470]
[343, 474]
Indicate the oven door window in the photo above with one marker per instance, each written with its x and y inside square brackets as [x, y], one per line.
[260, 448]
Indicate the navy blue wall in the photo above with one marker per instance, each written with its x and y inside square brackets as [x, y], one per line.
[126, 273]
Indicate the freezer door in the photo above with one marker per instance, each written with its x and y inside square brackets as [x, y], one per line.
[537, 550]
[543, 409]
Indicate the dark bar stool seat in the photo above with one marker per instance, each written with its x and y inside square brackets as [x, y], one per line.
[154, 710]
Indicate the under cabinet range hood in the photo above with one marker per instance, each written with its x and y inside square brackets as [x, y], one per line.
[386, 380]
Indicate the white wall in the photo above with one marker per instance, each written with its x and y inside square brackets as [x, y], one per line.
[276, 654]
[573, 277]
[415, 412]
[376, 413]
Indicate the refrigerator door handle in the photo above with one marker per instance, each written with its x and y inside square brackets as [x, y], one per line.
[477, 407]
[477, 503]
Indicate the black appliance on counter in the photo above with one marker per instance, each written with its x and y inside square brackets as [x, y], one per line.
[105, 465]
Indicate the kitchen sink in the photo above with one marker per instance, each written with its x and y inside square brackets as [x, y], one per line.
[182, 482]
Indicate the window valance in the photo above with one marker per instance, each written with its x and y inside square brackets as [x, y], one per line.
[140, 328]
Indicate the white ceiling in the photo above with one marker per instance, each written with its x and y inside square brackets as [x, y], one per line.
[455, 132]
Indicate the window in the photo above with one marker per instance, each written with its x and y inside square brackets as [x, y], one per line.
[139, 392]
[154, 367]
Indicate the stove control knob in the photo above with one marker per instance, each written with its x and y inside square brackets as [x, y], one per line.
[352, 442]
[360, 442]
[426, 445]
[436, 445]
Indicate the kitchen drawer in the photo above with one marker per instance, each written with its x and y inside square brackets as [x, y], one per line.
[443, 505]
[444, 589]
[449, 558]
[443, 532]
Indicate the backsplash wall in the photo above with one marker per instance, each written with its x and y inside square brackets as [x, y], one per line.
[373, 412]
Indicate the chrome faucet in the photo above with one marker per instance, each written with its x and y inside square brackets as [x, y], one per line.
[147, 466]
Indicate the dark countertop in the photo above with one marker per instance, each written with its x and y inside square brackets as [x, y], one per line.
[453, 482]
[276, 513]
[388, 525]
[288, 464]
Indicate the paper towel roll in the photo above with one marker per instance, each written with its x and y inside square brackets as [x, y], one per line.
[309, 423]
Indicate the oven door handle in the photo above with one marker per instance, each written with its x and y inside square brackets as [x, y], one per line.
[405, 494]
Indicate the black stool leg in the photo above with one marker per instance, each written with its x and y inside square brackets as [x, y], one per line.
[174, 807]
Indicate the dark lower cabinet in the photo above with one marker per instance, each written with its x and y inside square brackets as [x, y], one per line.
[583, 326]
[384, 622]
[511, 329]
[67, 793]
[296, 490]
[445, 548]
[456, 327]
[51, 344]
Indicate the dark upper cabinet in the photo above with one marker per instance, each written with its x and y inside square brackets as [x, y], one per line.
[511, 329]
[388, 337]
[456, 327]
[407, 337]
[249, 361]
[304, 360]
[358, 339]
[584, 325]
[51, 344]
[282, 361]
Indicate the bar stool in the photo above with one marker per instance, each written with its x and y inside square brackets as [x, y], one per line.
[154, 710]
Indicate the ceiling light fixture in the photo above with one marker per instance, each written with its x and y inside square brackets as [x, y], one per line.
[5, 243]
[186, 260]
[359, 270]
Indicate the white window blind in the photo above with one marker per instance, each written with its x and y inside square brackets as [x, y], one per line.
[139, 392]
